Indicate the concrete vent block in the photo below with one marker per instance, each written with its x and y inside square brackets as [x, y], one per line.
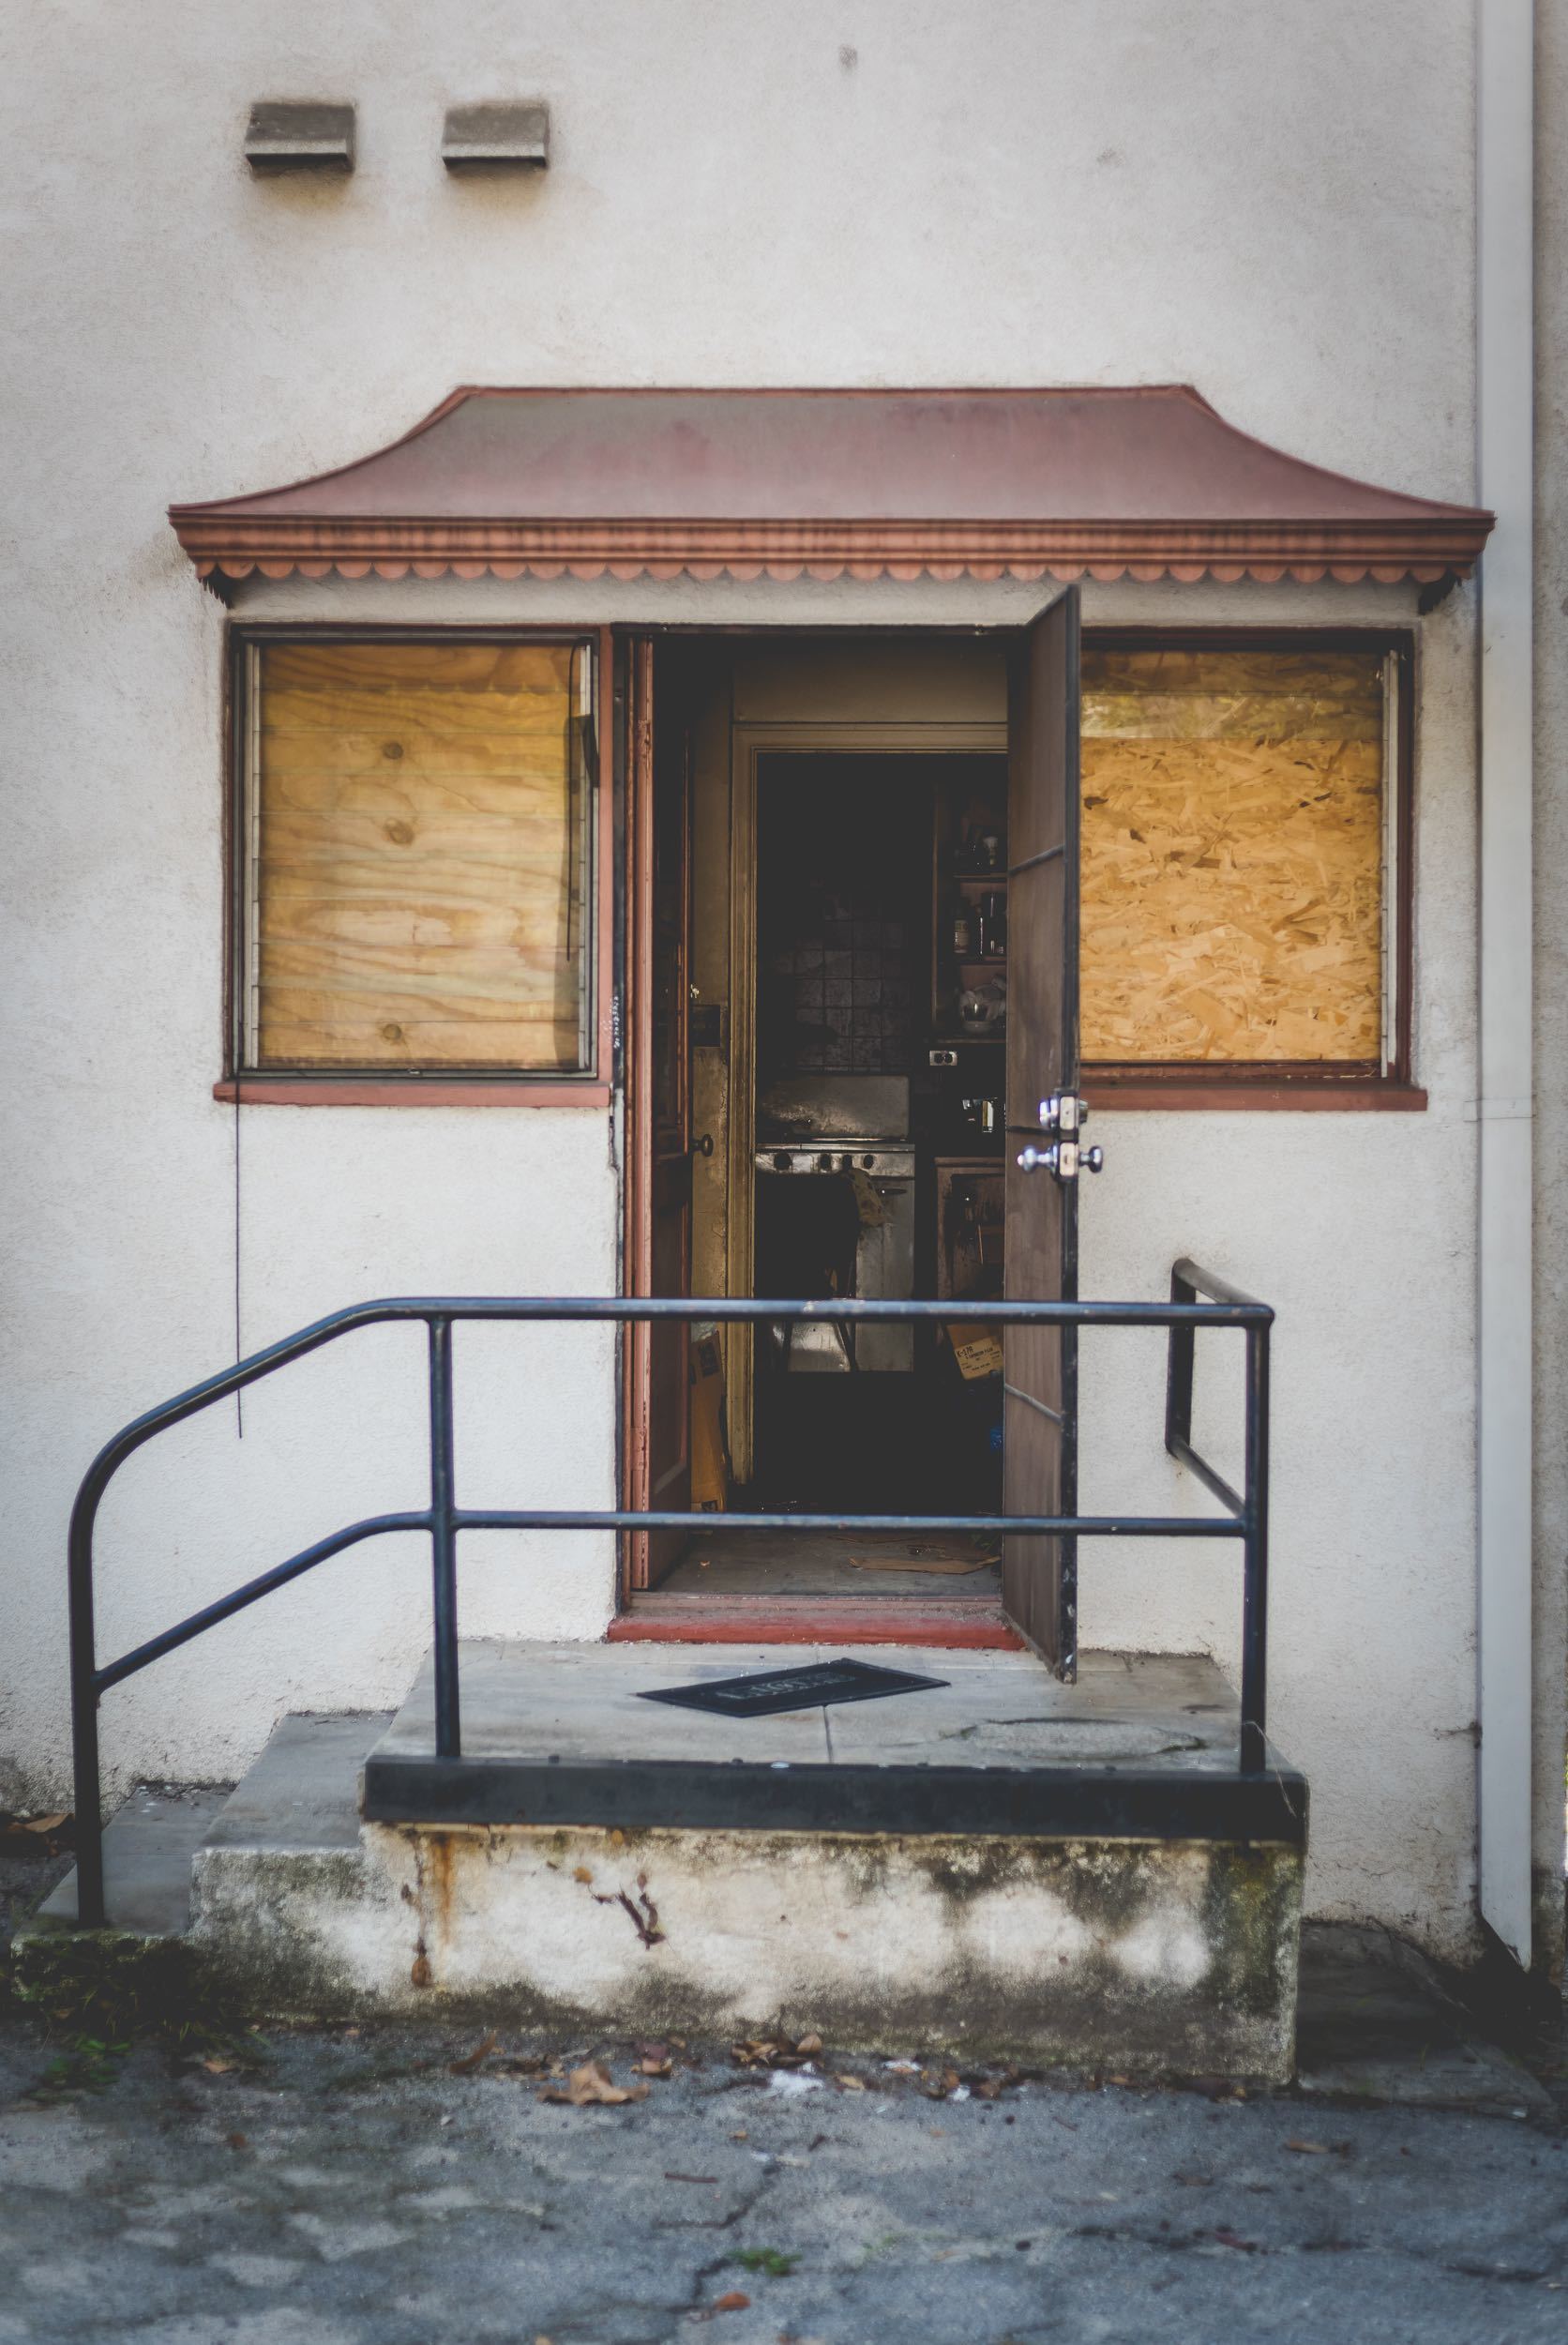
[514, 136]
[286, 134]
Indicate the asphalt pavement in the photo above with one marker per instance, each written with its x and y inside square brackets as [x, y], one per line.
[354, 2188]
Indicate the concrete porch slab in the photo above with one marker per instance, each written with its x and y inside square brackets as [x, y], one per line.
[1143, 1746]
[1016, 1912]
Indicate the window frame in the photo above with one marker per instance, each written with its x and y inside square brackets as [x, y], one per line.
[1387, 1084]
[590, 1085]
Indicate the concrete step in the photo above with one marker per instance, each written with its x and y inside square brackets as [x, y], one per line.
[995, 1866]
[299, 1799]
[148, 1848]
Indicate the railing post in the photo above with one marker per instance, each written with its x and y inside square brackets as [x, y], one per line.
[1179, 1368]
[444, 1543]
[1255, 1552]
[90, 1912]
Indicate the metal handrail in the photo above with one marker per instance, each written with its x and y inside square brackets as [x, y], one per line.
[1245, 1517]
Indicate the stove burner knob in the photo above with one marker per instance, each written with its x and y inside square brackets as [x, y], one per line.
[781, 1163]
[868, 1163]
[824, 1162]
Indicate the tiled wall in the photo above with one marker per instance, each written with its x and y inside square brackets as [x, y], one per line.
[838, 926]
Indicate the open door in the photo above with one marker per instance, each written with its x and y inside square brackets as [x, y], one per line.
[658, 766]
[1039, 1575]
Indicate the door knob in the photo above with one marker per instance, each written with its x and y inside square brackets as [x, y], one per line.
[1064, 1160]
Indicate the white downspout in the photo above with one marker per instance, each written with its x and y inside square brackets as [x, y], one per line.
[1505, 77]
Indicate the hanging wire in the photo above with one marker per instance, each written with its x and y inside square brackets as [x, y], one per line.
[239, 1347]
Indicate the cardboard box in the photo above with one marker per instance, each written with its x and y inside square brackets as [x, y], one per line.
[710, 1463]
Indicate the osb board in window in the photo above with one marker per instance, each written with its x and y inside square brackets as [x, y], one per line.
[1232, 855]
[420, 881]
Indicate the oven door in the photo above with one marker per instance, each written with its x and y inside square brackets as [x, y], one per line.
[885, 1266]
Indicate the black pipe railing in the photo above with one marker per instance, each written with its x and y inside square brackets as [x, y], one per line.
[1245, 1517]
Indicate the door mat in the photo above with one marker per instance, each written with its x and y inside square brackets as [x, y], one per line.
[767, 1691]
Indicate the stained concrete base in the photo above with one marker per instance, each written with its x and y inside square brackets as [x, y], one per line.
[1115, 1948]
[1153, 1957]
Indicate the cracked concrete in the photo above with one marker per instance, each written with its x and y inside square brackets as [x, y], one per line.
[350, 2189]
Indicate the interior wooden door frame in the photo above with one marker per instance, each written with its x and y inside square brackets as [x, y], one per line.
[749, 743]
[632, 719]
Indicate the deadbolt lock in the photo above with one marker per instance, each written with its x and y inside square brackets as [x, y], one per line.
[1064, 1112]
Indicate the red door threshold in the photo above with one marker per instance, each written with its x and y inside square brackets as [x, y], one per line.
[657, 1619]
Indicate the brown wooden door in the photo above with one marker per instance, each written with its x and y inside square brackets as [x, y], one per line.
[1040, 1364]
[658, 961]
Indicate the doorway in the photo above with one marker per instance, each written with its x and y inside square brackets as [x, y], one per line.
[838, 947]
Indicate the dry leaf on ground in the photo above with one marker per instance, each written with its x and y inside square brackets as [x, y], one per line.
[470, 2061]
[992, 2088]
[34, 1836]
[732, 2299]
[592, 2087]
[775, 2051]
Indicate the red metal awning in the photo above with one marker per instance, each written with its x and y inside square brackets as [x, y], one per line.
[1146, 482]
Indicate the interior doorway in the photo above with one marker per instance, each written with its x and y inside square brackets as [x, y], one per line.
[821, 961]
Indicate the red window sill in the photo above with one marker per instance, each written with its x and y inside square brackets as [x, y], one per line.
[1183, 1089]
[285, 1091]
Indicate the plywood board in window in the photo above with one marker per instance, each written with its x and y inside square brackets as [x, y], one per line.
[420, 857]
[1232, 855]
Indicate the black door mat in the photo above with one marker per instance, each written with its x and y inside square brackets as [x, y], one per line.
[767, 1691]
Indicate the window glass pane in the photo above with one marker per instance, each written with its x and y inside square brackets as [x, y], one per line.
[420, 857]
[1232, 855]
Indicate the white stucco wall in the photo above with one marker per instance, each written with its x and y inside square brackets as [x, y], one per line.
[898, 192]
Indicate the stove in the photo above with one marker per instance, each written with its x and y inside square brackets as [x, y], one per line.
[851, 1126]
[844, 1152]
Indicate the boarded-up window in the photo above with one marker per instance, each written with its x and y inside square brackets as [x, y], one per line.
[418, 849]
[1233, 854]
